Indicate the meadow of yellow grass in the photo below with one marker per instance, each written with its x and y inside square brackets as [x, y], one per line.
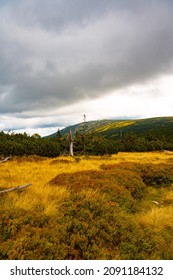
[106, 188]
[40, 171]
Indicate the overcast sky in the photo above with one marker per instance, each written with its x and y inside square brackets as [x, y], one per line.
[60, 59]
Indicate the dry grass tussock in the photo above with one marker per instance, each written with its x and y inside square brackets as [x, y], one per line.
[158, 218]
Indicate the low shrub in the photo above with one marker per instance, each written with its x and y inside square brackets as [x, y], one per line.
[158, 175]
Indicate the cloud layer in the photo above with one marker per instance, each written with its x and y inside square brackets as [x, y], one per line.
[59, 52]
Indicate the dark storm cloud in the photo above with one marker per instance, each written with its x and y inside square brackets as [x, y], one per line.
[54, 53]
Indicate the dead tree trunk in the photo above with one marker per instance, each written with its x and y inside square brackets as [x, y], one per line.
[71, 143]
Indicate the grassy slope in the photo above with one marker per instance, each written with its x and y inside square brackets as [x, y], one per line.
[88, 208]
[155, 126]
[158, 127]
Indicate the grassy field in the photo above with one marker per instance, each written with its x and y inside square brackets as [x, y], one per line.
[109, 207]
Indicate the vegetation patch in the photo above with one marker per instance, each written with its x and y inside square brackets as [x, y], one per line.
[118, 182]
[106, 212]
[157, 175]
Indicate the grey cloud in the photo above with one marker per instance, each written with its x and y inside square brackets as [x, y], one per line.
[59, 14]
[59, 52]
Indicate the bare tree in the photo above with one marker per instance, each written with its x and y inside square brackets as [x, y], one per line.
[84, 128]
[84, 118]
[71, 143]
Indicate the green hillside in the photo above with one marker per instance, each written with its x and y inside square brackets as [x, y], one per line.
[90, 126]
[155, 127]
[161, 127]
[93, 126]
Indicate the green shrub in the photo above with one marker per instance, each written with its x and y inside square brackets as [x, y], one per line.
[159, 175]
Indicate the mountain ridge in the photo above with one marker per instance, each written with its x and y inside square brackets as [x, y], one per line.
[112, 128]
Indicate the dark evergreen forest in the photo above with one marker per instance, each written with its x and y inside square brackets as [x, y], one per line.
[84, 144]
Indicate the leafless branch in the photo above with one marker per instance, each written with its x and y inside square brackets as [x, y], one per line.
[5, 159]
[16, 188]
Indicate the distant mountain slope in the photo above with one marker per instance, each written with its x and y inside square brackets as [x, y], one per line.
[90, 126]
[157, 127]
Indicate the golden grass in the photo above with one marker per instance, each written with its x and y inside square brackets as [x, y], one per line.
[157, 218]
[40, 172]
[96, 206]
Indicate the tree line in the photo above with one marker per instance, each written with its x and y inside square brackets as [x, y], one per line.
[85, 143]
